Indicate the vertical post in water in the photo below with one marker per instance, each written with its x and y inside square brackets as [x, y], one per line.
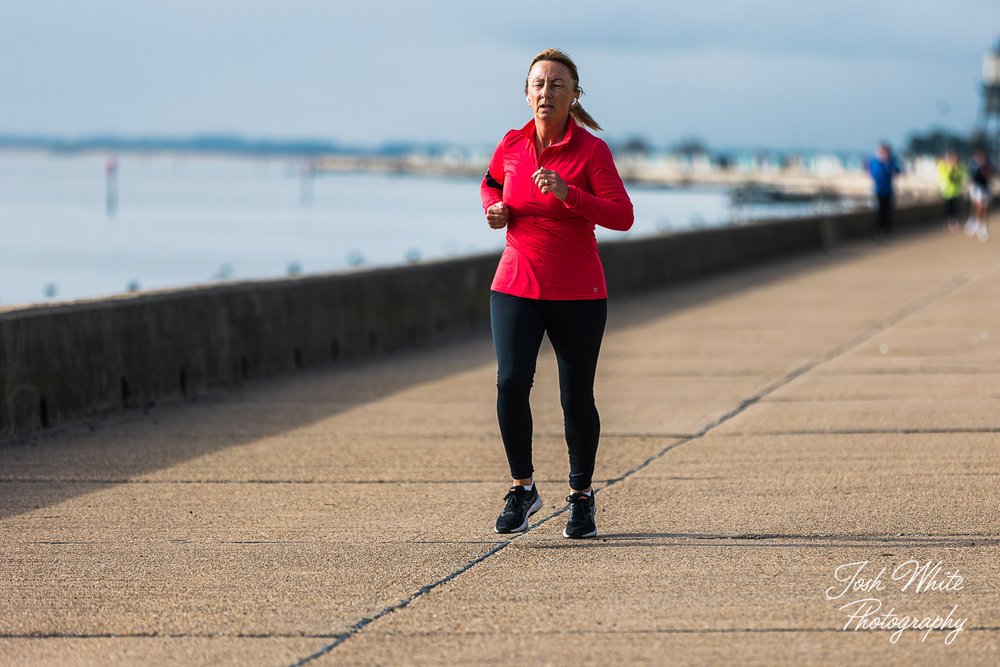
[307, 179]
[111, 186]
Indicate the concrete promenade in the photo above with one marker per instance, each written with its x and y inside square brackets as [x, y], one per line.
[761, 430]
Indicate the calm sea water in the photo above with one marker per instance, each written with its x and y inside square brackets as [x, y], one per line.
[191, 220]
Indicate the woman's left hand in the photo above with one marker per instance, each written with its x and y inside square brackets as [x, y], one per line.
[549, 181]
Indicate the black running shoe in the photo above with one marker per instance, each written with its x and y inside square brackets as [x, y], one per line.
[581, 516]
[520, 506]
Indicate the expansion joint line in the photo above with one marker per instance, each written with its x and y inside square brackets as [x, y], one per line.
[863, 337]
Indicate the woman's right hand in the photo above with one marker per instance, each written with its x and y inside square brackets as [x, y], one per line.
[498, 215]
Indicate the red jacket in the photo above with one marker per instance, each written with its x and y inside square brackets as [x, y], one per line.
[551, 249]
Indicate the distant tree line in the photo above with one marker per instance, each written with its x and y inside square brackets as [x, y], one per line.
[938, 141]
[932, 142]
[204, 143]
[219, 143]
[636, 145]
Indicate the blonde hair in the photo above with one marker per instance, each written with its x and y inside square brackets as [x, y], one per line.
[577, 110]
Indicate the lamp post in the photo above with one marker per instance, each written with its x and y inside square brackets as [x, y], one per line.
[111, 186]
[991, 96]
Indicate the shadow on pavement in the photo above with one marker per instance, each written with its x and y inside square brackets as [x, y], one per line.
[79, 459]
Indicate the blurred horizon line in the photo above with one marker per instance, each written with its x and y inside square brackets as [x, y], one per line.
[234, 143]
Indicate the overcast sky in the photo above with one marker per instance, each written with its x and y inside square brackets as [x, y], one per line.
[819, 74]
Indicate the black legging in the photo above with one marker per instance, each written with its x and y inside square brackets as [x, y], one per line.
[883, 219]
[575, 329]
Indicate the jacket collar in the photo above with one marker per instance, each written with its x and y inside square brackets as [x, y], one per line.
[529, 132]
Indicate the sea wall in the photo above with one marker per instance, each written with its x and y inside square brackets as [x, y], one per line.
[66, 362]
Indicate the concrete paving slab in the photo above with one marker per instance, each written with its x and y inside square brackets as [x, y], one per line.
[894, 364]
[707, 647]
[718, 366]
[820, 385]
[257, 513]
[229, 558]
[812, 487]
[212, 587]
[317, 457]
[659, 585]
[674, 418]
[665, 405]
[680, 342]
[933, 455]
[73, 652]
[635, 389]
[847, 416]
[944, 344]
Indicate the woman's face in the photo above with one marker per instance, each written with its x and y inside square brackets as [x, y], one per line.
[550, 90]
